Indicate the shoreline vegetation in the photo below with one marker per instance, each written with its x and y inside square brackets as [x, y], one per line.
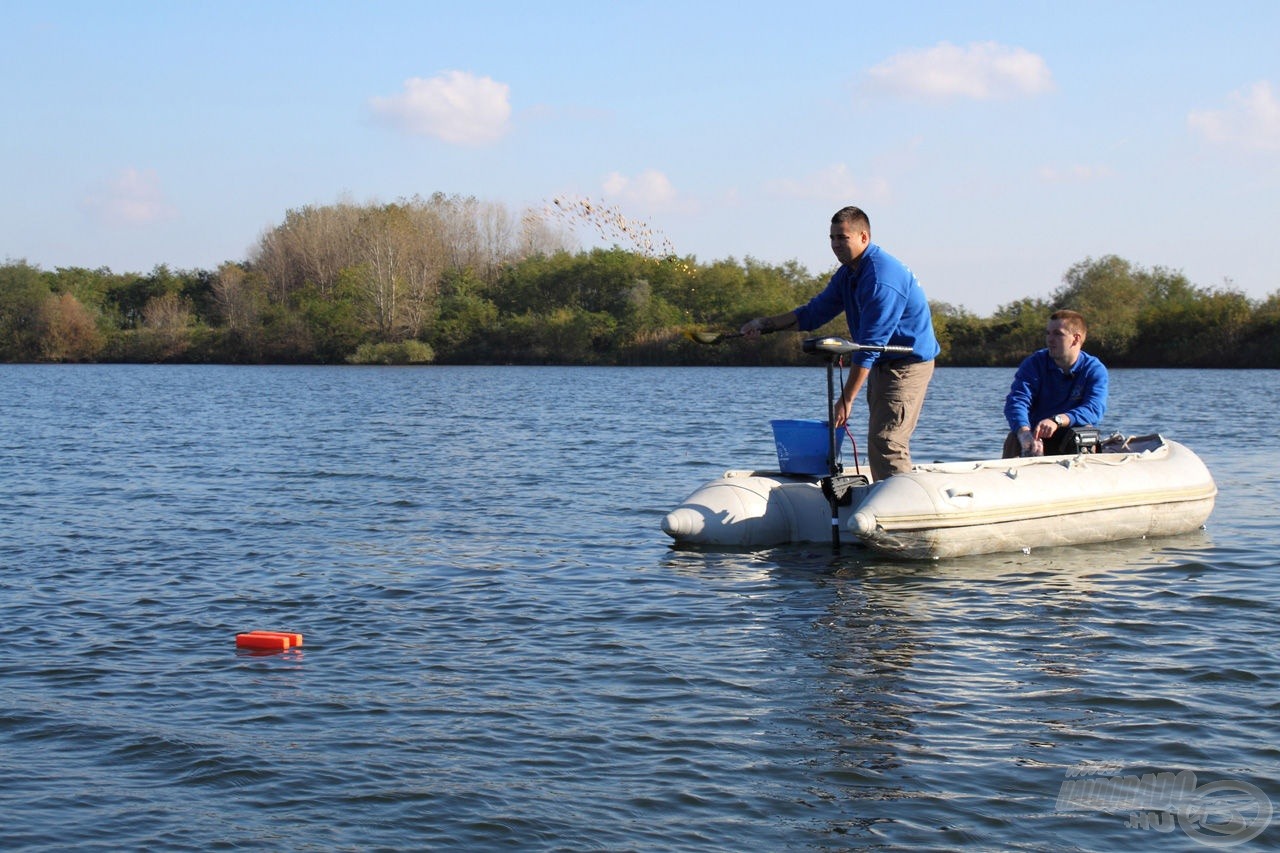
[452, 280]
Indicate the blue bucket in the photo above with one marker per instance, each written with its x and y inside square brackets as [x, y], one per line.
[802, 446]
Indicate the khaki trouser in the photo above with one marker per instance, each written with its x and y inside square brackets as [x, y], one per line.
[895, 396]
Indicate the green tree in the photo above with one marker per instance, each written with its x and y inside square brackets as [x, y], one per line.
[563, 336]
[130, 295]
[1111, 294]
[593, 281]
[286, 335]
[89, 286]
[334, 324]
[1015, 330]
[1260, 340]
[23, 292]
[1210, 330]
[467, 327]
[952, 324]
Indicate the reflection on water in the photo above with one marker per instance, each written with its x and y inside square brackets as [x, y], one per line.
[924, 666]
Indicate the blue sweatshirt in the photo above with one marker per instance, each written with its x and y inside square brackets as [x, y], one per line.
[1041, 390]
[883, 303]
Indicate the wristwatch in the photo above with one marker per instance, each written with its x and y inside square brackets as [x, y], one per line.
[1061, 420]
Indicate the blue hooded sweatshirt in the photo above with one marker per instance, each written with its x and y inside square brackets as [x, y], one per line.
[884, 304]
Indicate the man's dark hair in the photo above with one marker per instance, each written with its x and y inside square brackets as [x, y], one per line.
[854, 216]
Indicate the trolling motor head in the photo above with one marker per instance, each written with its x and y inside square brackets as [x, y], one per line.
[832, 345]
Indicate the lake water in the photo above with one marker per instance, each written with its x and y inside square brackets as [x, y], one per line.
[502, 650]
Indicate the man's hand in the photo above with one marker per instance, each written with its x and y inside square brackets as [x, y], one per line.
[764, 325]
[844, 408]
[1031, 443]
[1046, 428]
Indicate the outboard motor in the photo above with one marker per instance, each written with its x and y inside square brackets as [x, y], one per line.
[1085, 439]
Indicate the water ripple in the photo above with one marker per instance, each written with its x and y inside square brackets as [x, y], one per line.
[502, 651]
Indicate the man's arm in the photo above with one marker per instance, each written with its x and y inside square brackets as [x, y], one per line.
[852, 385]
[1022, 393]
[762, 325]
[1094, 404]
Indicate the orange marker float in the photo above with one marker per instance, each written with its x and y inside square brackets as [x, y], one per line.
[269, 641]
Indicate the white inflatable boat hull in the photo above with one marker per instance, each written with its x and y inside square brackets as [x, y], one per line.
[1156, 488]
[755, 509]
[1146, 486]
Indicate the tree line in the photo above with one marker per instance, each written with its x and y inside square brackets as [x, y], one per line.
[452, 280]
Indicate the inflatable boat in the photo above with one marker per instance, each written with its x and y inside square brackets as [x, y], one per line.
[1125, 488]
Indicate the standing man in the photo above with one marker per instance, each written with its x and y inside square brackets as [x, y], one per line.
[884, 306]
[1055, 388]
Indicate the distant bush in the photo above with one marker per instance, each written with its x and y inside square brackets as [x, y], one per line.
[403, 352]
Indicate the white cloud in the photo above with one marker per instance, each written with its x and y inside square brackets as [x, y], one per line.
[455, 106]
[650, 188]
[131, 198]
[1251, 120]
[981, 70]
[835, 184]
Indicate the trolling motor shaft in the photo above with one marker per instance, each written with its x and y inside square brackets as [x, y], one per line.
[837, 486]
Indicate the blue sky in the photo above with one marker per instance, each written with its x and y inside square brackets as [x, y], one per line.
[994, 144]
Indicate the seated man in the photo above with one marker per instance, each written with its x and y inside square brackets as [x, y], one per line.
[1055, 388]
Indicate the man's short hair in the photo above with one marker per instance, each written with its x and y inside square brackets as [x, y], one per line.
[852, 216]
[1072, 320]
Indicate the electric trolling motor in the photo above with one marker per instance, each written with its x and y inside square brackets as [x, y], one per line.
[838, 486]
